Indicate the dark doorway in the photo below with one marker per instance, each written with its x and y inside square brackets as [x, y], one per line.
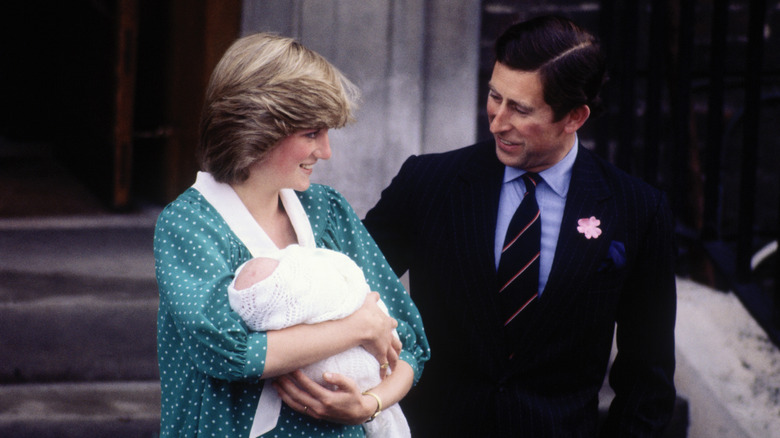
[100, 100]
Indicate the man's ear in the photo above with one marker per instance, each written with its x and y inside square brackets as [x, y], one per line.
[576, 118]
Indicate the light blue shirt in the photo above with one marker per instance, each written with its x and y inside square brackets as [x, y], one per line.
[551, 197]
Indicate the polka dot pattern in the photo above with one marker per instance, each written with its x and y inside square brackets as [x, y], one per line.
[210, 363]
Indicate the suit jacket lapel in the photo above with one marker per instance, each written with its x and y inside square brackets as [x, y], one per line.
[575, 256]
[588, 196]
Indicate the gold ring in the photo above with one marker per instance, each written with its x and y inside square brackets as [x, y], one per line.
[305, 408]
[384, 366]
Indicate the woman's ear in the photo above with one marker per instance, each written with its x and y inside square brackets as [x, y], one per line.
[576, 118]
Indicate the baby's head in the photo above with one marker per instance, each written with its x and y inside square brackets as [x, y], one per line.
[254, 271]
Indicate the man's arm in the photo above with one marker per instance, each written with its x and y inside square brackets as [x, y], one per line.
[643, 372]
[387, 221]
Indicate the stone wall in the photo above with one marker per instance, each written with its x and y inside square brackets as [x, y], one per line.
[416, 64]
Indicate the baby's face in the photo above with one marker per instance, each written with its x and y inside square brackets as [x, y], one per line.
[255, 270]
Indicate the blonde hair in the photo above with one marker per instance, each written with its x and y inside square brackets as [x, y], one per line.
[265, 88]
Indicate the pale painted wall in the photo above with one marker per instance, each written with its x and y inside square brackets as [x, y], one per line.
[416, 63]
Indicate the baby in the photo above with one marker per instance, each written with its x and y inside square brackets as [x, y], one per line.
[299, 285]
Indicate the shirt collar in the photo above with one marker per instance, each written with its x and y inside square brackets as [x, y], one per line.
[557, 177]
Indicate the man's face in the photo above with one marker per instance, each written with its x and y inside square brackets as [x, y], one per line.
[527, 137]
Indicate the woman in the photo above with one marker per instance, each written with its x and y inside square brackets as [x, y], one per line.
[268, 108]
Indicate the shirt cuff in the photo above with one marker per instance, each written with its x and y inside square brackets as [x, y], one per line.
[412, 361]
[256, 349]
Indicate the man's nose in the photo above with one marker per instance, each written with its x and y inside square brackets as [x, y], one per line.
[499, 121]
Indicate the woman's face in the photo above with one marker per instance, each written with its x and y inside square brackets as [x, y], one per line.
[289, 164]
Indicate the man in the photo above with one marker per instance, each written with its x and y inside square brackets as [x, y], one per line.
[602, 261]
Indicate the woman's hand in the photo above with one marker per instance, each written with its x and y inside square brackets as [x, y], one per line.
[377, 335]
[295, 347]
[345, 404]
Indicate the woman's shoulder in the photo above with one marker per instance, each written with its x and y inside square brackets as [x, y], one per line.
[321, 196]
[189, 200]
[190, 208]
[319, 191]
[329, 212]
[190, 225]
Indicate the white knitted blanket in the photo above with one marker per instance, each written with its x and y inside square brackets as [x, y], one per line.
[312, 285]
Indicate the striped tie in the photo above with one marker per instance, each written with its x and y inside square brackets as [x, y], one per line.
[518, 268]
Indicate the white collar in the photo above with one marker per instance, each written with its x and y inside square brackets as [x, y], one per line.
[557, 176]
[227, 203]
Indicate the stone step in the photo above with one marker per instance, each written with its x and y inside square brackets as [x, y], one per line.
[77, 410]
[92, 250]
[68, 328]
[78, 300]
[78, 306]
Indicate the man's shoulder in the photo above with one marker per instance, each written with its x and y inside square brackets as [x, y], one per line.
[479, 155]
[479, 149]
[618, 179]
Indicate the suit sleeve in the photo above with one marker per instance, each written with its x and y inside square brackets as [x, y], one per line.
[388, 221]
[643, 371]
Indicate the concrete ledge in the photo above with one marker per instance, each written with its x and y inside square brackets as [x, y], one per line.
[111, 410]
[728, 369]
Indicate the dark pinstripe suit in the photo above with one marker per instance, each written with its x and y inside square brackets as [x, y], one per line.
[437, 219]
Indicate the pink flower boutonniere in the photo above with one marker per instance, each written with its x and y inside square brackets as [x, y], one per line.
[589, 227]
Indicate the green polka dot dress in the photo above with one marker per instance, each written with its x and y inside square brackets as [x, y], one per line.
[210, 363]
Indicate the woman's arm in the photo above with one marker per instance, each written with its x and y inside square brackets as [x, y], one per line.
[195, 261]
[295, 347]
[341, 230]
[346, 404]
